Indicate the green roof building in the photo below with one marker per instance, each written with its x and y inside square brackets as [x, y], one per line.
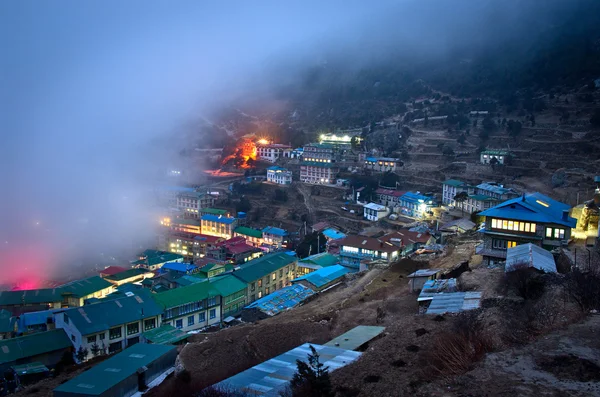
[31, 300]
[79, 290]
[128, 276]
[253, 236]
[45, 347]
[214, 211]
[7, 324]
[123, 374]
[154, 260]
[316, 262]
[165, 335]
[234, 294]
[267, 274]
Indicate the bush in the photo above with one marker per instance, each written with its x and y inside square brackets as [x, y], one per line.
[583, 288]
[525, 282]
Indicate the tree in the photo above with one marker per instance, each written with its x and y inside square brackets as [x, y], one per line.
[461, 198]
[81, 354]
[312, 378]
[494, 161]
[488, 124]
[96, 350]
[312, 244]
[389, 179]
[514, 128]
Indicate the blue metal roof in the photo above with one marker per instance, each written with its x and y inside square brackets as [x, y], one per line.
[493, 188]
[217, 218]
[324, 275]
[534, 207]
[372, 159]
[282, 299]
[414, 197]
[179, 267]
[333, 234]
[276, 168]
[275, 231]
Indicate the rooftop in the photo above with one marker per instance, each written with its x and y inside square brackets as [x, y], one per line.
[282, 299]
[406, 236]
[369, 243]
[530, 255]
[414, 197]
[276, 168]
[375, 207]
[454, 302]
[356, 337]
[333, 234]
[110, 270]
[424, 273]
[323, 259]
[188, 294]
[114, 370]
[454, 182]
[494, 188]
[461, 223]
[317, 227]
[390, 159]
[30, 297]
[208, 239]
[32, 345]
[165, 335]
[324, 276]
[85, 287]
[161, 257]
[275, 231]
[179, 267]
[126, 274]
[390, 192]
[496, 152]
[260, 267]
[214, 211]
[434, 287]
[248, 231]
[228, 284]
[218, 219]
[6, 321]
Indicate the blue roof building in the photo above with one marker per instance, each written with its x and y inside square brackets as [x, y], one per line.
[218, 219]
[275, 236]
[415, 204]
[323, 278]
[532, 218]
[185, 268]
[333, 234]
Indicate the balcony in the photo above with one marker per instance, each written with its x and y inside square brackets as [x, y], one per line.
[495, 253]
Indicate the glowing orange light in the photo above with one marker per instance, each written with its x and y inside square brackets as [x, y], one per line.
[244, 151]
[262, 141]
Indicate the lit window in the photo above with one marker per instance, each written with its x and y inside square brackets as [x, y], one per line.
[548, 232]
[494, 223]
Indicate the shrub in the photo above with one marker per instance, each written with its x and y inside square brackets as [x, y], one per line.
[583, 288]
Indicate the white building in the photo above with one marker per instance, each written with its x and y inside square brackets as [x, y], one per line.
[375, 212]
[382, 164]
[501, 155]
[271, 152]
[451, 187]
[279, 175]
[191, 202]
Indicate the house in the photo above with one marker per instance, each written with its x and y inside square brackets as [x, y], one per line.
[389, 198]
[479, 198]
[7, 324]
[415, 204]
[452, 187]
[234, 294]
[355, 248]
[203, 244]
[253, 237]
[129, 276]
[235, 250]
[181, 243]
[110, 325]
[124, 374]
[190, 203]
[275, 237]
[271, 152]
[532, 218]
[76, 292]
[154, 260]
[110, 270]
[318, 163]
[317, 227]
[375, 212]
[382, 164]
[47, 348]
[501, 156]
[191, 307]
[218, 226]
[418, 279]
[457, 226]
[179, 268]
[316, 262]
[496, 191]
[279, 175]
[408, 240]
[31, 300]
[215, 211]
[323, 278]
[333, 234]
[31, 322]
[529, 256]
[167, 195]
[267, 274]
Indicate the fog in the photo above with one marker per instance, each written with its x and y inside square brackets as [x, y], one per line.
[92, 90]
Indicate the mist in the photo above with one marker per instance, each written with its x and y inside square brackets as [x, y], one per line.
[93, 90]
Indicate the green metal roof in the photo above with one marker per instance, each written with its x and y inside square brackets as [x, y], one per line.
[114, 370]
[126, 274]
[323, 259]
[87, 286]
[262, 266]
[31, 368]
[165, 335]
[356, 337]
[317, 164]
[103, 315]
[214, 211]
[7, 322]
[481, 197]
[248, 231]
[227, 285]
[32, 345]
[188, 294]
[30, 297]
[496, 152]
[454, 182]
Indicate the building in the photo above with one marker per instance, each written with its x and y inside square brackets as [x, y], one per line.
[111, 270]
[167, 195]
[253, 237]
[316, 262]
[271, 152]
[215, 211]
[452, 187]
[129, 276]
[408, 241]
[47, 348]
[389, 198]
[418, 279]
[218, 226]
[415, 204]
[235, 250]
[7, 324]
[279, 175]
[76, 292]
[341, 140]
[31, 300]
[179, 243]
[457, 226]
[529, 256]
[332, 234]
[123, 375]
[191, 307]
[185, 225]
[355, 248]
[267, 274]
[318, 164]
[190, 203]
[382, 164]
[275, 237]
[501, 156]
[496, 191]
[479, 198]
[276, 302]
[322, 279]
[234, 293]
[532, 218]
[110, 325]
[203, 244]
[375, 212]
[165, 335]
[180, 268]
[154, 260]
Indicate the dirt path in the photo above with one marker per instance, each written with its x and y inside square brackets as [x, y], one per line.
[308, 202]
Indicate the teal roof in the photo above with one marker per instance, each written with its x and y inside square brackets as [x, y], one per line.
[7, 322]
[165, 335]
[32, 345]
[260, 267]
[454, 182]
[31, 368]
[30, 297]
[324, 276]
[227, 285]
[496, 152]
[103, 315]
[114, 370]
[248, 231]
[323, 259]
[161, 257]
[87, 286]
[214, 211]
[317, 164]
[481, 197]
[188, 294]
[126, 274]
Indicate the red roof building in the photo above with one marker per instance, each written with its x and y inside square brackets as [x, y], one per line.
[235, 250]
[111, 270]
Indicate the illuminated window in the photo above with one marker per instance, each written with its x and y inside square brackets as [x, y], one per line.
[511, 244]
[494, 223]
[505, 224]
[548, 232]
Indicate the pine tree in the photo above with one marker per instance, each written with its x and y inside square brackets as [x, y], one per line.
[312, 378]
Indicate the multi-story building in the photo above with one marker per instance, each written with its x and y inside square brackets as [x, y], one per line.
[154, 259]
[389, 198]
[415, 204]
[190, 203]
[271, 152]
[279, 175]
[502, 156]
[235, 250]
[495, 191]
[267, 274]
[179, 243]
[167, 195]
[185, 225]
[218, 226]
[319, 163]
[479, 198]
[355, 248]
[191, 307]
[76, 292]
[253, 237]
[110, 325]
[452, 187]
[128, 276]
[532, 218]
[234, 293]
[275, 237]
[382, 164]
[374, 212]
[203, 244]
[33, 300]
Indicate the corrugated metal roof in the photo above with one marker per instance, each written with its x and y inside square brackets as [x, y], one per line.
[333, 234]
[248, 231]
[165, 335]
[530, 255]
[31, 368]
[259, 267]
[6, 321]
[424, 273]
[433, 287]
[325, 275]
[218, 219]
[179, 267]
[356, 337]
[375, 207]
[323, 259]
[271, 377]
[126, 274]
[275, 231]
[454, 182]
[282, 299]
[454, 302]
[85, 287]
[32, 345]
[228, 285]
[188, 294]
